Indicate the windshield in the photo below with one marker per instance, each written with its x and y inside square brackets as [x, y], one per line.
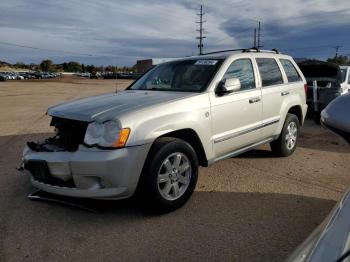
[343, 75]
[185, 75]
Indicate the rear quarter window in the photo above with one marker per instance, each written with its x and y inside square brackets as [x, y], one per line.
[291, 72]
[270, 72]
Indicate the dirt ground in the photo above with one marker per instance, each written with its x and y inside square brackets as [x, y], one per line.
[249, 208]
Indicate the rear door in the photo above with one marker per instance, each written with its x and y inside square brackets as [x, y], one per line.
[274, 90]
[236, 117]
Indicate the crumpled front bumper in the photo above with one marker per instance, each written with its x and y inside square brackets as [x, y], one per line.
[95, 173]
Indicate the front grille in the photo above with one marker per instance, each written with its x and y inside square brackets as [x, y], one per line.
[70, 133]
[40, 172]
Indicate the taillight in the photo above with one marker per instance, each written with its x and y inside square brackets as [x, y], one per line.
[305, 88]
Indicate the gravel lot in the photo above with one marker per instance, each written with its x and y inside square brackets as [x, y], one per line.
[250, 208]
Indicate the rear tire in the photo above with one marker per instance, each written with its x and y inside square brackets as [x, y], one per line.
[169, 176]
[286, 144]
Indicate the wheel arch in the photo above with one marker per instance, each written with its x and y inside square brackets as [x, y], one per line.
[298, 112]
[190, 136]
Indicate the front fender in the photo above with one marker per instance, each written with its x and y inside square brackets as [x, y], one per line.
[190, 113]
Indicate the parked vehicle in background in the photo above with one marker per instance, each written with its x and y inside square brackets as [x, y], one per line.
[151, 138]
[11, 76]
[85, 74]
[3, 77]
[325, 83]
[111, 75]
[19, 77]
[28, 75]
[330, 241]
[95, 75]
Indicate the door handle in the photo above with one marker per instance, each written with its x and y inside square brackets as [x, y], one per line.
[285, 93]
[254, 100]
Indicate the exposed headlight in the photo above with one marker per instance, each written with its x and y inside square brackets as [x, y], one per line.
[108, 134]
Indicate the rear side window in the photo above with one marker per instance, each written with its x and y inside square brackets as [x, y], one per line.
[243, 70]
[270, 73]
[291, 72]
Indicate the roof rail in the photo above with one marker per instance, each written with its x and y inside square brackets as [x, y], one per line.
[223, 51]
[244, 50]
[253, 49]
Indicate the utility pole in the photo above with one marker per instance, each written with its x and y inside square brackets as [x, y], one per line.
[259, 34]
[200, 30]
[337, 47]
[254, 37]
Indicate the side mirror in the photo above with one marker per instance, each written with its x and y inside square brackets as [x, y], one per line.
[228, 85]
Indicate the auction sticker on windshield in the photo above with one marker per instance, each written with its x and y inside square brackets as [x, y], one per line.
[206, 62]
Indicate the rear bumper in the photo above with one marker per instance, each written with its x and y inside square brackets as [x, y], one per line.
[96, 173]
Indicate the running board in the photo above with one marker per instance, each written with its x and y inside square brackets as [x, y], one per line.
[243, 150]
[84, 204]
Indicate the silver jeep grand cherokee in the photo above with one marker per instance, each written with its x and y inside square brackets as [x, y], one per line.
[151, 138]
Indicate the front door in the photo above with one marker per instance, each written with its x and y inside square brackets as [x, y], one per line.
[236, 117]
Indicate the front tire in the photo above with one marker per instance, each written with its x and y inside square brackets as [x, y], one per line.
[169, 176]
[286, 144]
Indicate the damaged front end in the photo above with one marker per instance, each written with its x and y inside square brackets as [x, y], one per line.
[69, 134]
[64, 165]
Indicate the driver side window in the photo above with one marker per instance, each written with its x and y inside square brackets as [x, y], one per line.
[243, 70]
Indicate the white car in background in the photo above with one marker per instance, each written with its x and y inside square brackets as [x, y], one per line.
[345, 74]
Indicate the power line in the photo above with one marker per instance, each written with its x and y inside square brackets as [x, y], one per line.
[309, 47]
[200, 30]
[259, 34]
[63, 51]
[42, 49]
[254, 37]
[315, 48]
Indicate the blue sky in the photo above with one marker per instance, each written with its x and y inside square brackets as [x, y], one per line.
[120, 32]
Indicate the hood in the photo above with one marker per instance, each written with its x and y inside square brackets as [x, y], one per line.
[314, 70]
[109, 106]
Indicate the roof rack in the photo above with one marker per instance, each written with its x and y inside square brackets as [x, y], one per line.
[224, 51]
[244, 50]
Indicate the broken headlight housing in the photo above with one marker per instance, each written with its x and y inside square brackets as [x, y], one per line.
[107, 135]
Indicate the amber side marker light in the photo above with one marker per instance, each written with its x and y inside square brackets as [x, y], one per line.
[123, 138]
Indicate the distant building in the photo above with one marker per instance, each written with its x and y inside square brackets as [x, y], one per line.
[146, 64]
